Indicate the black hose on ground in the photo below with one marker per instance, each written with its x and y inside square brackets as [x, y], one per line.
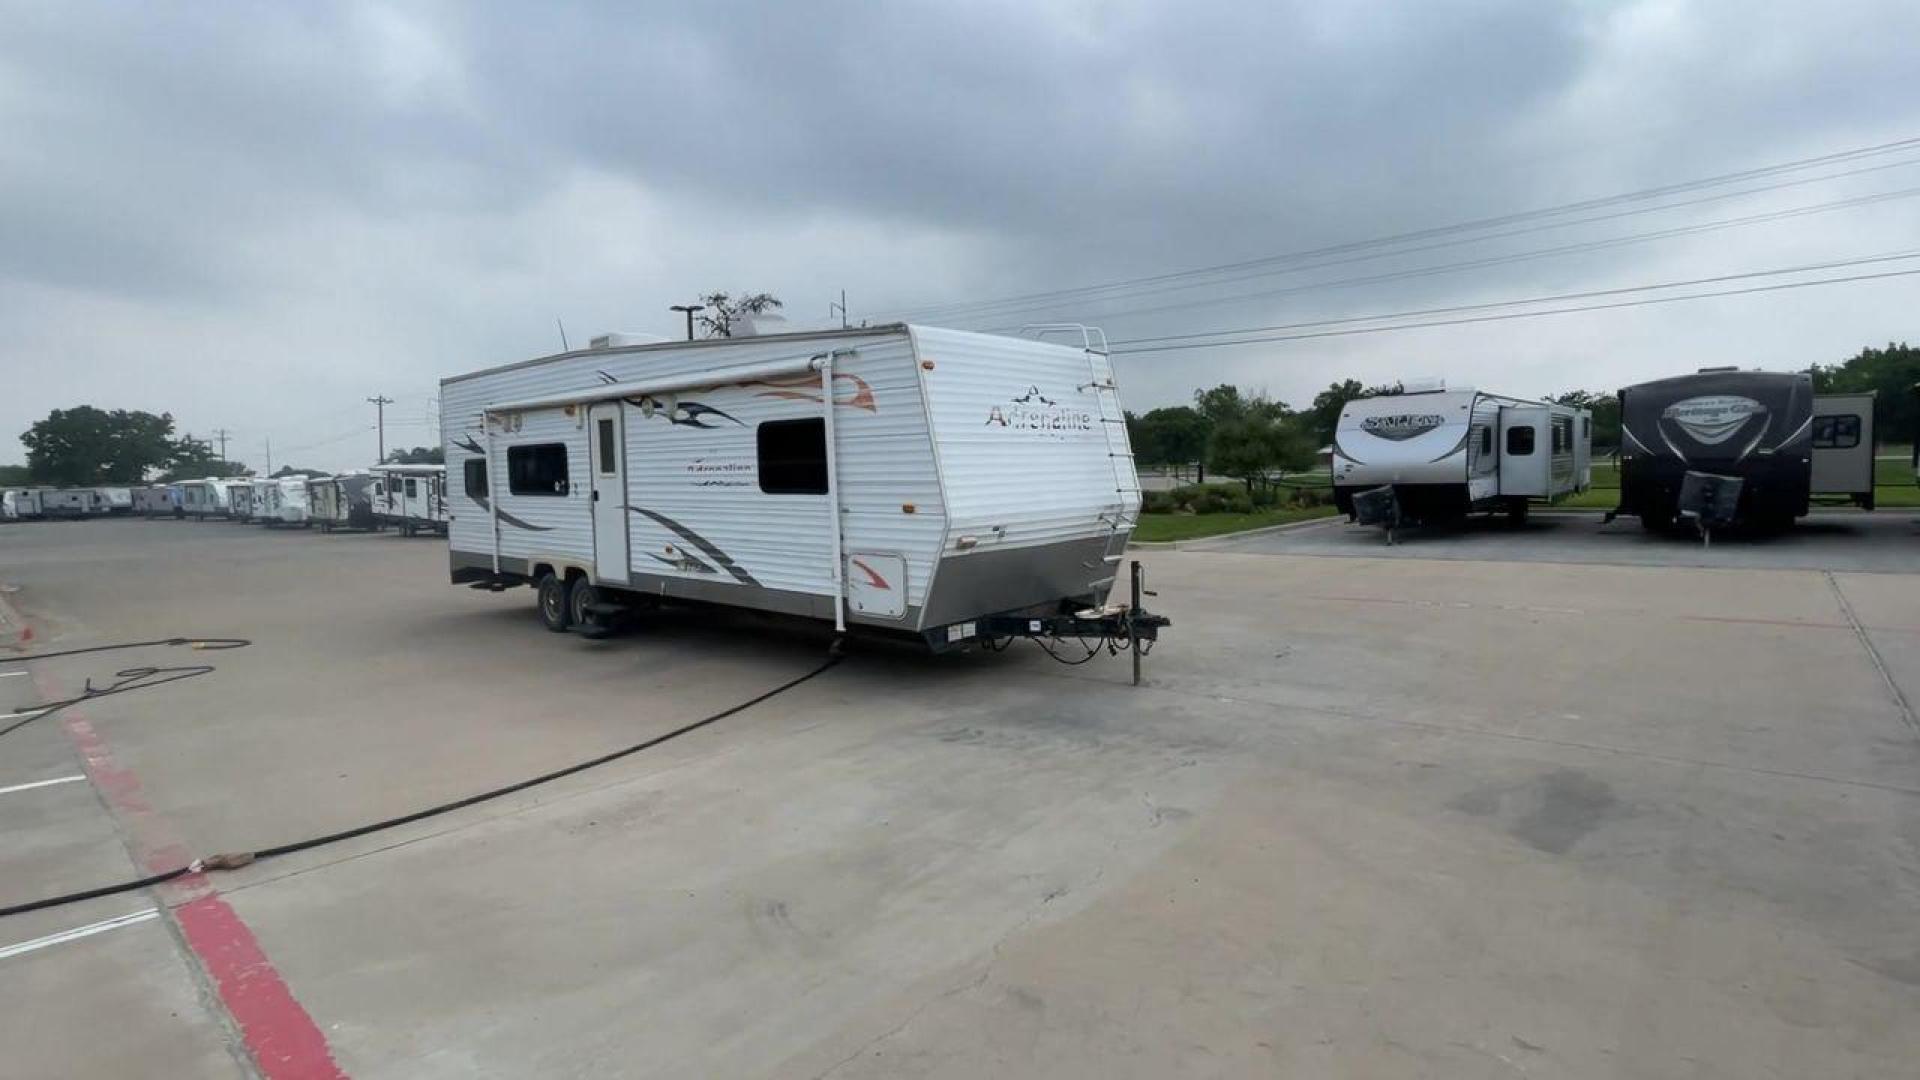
[235, 860]
[129, 679]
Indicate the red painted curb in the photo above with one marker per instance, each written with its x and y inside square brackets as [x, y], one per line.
[280, 1036]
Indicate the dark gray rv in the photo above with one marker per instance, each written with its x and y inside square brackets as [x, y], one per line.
[1765, 429]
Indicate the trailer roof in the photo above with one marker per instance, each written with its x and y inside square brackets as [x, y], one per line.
[702, 343]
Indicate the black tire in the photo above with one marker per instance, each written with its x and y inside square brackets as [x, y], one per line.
[1517, 513]
[1656, 522]
[550, 597]
[580, 595]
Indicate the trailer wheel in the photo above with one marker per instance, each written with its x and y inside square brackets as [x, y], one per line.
[551, 597]
[1656, 522]
[582, 595]
[1517, 512]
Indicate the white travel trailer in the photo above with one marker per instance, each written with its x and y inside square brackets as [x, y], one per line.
[944, 486]
[1447, 453]
[151, 501]
[21, 504]
[282, 501]
[202, 499]
[242, 495]
[411, 498]
[119, 499]
[342, 502]
[73, 503]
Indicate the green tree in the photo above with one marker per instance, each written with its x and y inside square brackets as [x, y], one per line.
[419, 455]
[15, 476]
[288, 470]
[1891, 373]
[1220, 405]
[1175, 436]
[1605, 408]
[1324, 414]
[724, 312]
[84, 445]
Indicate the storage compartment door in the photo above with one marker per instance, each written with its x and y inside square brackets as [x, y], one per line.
[877, 584]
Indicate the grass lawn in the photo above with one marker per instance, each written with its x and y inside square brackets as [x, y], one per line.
[1160, 527]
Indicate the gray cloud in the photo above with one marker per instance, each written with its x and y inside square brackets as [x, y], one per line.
[255, 216]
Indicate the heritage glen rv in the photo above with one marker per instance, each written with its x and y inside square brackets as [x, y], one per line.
[1446, 453]
[899, 478]
[1766, 429]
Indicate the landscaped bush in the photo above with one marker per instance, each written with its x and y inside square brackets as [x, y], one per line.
[1158, 502]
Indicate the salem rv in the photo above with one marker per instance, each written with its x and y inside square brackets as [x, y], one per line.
[944, 486]
[411, 498]
[1433, 455]
[1764, 440]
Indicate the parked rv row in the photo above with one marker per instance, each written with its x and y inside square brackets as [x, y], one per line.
[26, 504]
[410, 498]
[1718, 447]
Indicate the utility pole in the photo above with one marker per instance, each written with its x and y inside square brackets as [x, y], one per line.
[221, 434]
[269, 455]
[842, 305]
[380, 404]
[689, 309]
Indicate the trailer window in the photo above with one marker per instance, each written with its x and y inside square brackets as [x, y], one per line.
[476, 471]
[1486, 441]
[1586, 427]
[1836, 432]
[537, 470]
[413, 488]
[793, 457]
[1520, 441]
[608, 463]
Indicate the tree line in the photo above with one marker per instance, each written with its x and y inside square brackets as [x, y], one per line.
[85, 447]
[1257, 439]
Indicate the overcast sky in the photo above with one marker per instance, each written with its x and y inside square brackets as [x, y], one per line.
[255, 216]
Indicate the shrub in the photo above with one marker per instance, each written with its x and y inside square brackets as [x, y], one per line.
[1237, 503]
[1158, 502]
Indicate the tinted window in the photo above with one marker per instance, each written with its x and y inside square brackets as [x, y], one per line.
[537, 470]
[604, 427]
[413, 487]
[476, 471]
[1520, 441]
[1486, 441]
[1836, 432]
[793, 457]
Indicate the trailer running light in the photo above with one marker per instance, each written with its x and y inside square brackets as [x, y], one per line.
[966, 542]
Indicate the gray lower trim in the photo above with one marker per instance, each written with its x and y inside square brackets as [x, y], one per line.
[996, 581]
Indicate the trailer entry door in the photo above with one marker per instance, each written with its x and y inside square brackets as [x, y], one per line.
[606, 431]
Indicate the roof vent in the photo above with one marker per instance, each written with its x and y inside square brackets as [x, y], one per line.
[1429, 385]
[759, 325]
[1717, 370]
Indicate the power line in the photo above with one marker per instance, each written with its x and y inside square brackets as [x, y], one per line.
[1475, 225]
[1493, 260]
[1806, 268]
[1519, 314]
[380, 404]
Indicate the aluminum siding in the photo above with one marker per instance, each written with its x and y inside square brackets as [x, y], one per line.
[1030, 472]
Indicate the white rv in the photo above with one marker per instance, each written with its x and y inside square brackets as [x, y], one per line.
[923, 481]
[21, 504]
[212, 497]
[119, 500]
[242, 495]
[282, 501]
[342, 502]
[151, 501]
[73, 503]
[411, 498]
[1447, 453]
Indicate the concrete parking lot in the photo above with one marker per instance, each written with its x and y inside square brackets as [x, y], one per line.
[1377, 815]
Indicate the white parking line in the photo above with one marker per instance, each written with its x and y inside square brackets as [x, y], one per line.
[77, 933]
[10, 674]
[40, 784]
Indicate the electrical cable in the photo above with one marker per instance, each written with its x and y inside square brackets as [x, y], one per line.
[1519, 314]
[235, 860]
[129, 679]
[1804, 268]
[1487, 261]
[1897, 146]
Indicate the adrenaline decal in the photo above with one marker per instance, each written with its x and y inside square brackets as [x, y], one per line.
[873, 578]
[683, 413]
[706, 546]
[682, 560]
[1036, 412]
[465, 442]
[859, 395]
